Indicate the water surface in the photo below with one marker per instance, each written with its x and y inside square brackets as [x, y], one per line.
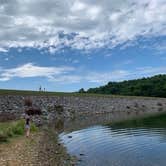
[131, 143]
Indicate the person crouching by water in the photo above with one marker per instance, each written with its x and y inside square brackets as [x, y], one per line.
[27, 124]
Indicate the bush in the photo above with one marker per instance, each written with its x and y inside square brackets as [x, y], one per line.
[18, 130]
[33, 128]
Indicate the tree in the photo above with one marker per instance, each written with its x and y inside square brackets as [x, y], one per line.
[150, 86]
[81, 90]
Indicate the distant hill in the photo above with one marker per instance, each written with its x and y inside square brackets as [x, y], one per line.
[150, 86]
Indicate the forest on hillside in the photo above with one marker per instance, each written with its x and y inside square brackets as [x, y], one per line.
[151, 86]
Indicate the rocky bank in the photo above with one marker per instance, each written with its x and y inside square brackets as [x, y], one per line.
[12, 107]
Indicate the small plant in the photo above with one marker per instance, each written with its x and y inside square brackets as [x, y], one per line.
[33, 128]
[18, 130]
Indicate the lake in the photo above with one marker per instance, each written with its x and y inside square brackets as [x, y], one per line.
[140, 142]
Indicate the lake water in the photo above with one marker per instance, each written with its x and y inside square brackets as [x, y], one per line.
[131, 143]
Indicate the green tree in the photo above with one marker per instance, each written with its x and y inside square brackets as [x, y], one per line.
[150, 86]
[81, 90]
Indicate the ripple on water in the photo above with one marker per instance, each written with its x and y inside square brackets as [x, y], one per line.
[104, 146]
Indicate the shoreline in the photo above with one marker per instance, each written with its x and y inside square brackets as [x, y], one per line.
[42, 148]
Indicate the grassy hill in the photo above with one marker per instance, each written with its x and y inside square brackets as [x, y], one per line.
[151, 86]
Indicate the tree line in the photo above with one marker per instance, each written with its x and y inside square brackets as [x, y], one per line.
[151, 86]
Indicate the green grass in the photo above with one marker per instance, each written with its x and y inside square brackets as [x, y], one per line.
[12, 129]
[37, 93]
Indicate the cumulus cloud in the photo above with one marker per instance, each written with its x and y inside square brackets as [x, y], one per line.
[79, 24]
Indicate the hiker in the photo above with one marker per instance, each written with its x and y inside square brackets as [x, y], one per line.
[27, 124]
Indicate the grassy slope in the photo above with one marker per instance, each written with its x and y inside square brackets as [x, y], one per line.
[37, 93]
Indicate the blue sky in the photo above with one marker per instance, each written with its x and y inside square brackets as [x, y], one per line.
[64, 46]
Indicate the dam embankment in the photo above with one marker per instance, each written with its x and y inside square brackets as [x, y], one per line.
[13, 106]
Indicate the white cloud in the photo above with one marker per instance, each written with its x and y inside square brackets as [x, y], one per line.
[52, 50]
[31, 70]
[95, 23]
[77, 6]
[3, 50]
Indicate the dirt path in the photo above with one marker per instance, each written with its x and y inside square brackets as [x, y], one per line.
[41, 149]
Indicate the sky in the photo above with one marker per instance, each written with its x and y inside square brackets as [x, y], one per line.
[72, 44]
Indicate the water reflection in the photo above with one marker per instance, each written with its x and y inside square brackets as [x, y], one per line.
[135, 143]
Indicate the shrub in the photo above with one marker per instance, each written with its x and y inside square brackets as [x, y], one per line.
[18, 130]
[33, 128]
